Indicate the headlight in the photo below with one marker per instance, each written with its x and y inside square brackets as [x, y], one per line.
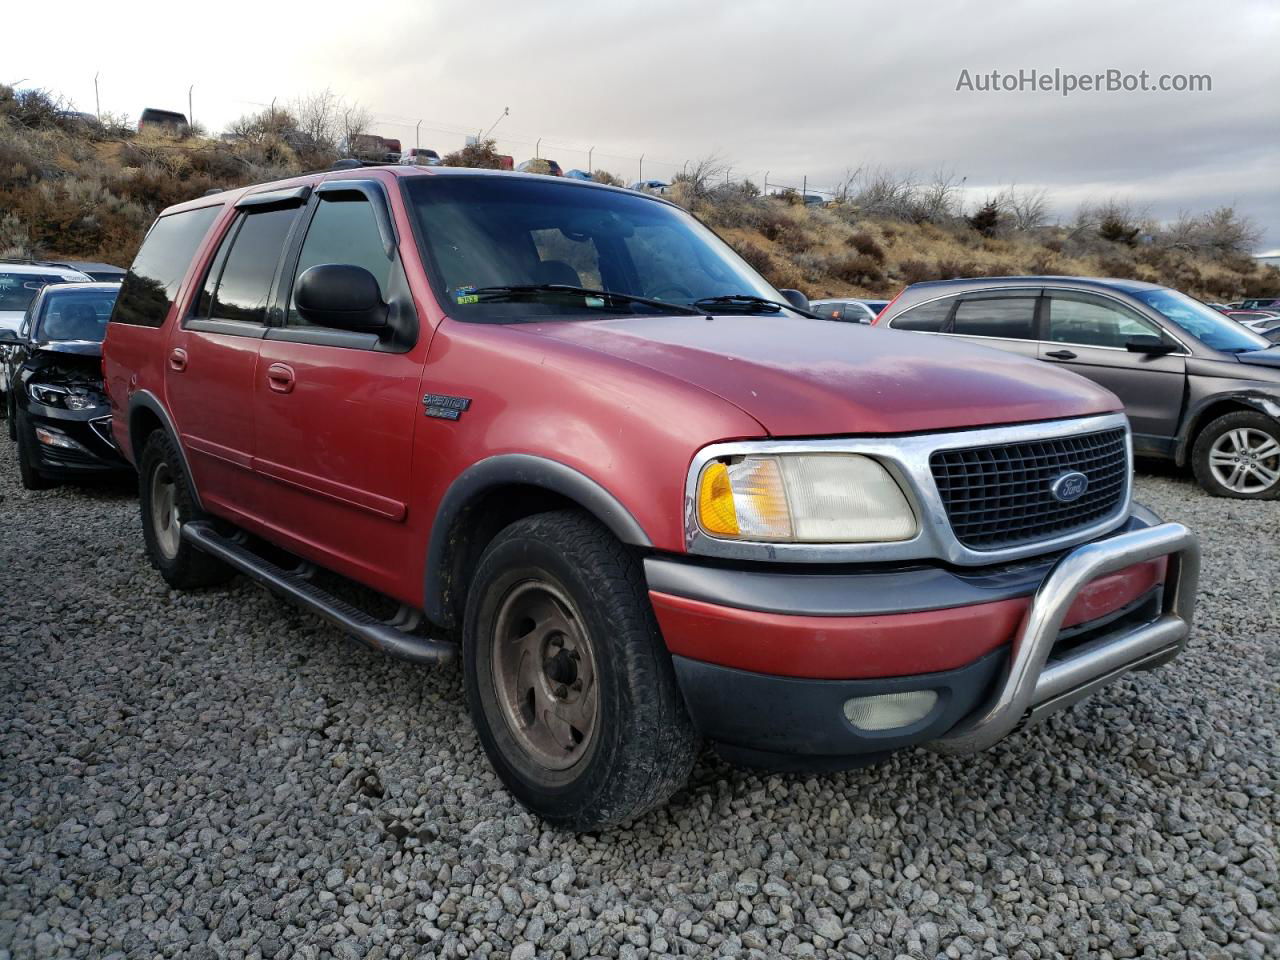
[69, 398]
[803, 498]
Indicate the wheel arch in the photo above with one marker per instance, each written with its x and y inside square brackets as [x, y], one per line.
[493, 493]
[1216, 406]
[147, 414]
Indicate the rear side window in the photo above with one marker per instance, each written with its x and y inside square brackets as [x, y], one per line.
[1012, 318]
[239, 284]
[926, 318]
[152, 282]
[343, 230]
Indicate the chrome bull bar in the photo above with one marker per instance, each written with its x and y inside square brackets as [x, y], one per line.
[1033, 686]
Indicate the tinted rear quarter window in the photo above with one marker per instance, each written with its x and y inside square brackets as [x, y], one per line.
[1011, 318]
[926, 318]
[152, 282]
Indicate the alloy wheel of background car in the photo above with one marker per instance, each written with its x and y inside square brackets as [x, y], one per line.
[1238, 455]
[545, 673]
[583, 742]
[1245, 460]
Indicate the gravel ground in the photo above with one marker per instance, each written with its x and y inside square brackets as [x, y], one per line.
[217, 774]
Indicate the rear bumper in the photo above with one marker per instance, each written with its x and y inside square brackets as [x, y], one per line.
[998, 647]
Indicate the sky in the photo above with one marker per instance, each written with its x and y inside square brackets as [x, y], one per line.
[798, 91]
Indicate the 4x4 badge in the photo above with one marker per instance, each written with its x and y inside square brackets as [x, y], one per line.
[444, 407]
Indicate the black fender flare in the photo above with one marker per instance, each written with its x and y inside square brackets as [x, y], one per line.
[1265, 403]
[525, 470]
[146, 400]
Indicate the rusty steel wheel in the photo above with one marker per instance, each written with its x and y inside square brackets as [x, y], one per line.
[544, 673]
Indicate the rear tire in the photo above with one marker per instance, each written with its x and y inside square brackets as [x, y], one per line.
[570, 686]
[166, 504]
[28, 472]
[1238, 455]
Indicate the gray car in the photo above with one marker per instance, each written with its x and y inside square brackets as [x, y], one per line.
[848, 309]
[1199, 388]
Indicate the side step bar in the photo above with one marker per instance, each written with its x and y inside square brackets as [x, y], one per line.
[373, 633]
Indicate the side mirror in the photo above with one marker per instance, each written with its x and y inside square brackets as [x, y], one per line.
[343, 296]
[9, 336]
[796, 299]
[1148, 343]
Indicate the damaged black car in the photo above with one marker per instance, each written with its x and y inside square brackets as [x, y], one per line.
[55, 403]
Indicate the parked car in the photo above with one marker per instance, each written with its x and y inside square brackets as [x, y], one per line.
[20, 281]
[1261, 303]
[420, 157]
[848, 309]
[651, 186]
[371, 148]
[576, 174]
[656, 502]
[101, 272]
[1258, 320]
[169, 120]
[813, 199]
[57, 408]
[1199, 388]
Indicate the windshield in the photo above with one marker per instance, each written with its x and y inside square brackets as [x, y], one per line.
[1207, 325]
[17, 290]
[74, 315]
[490, 231]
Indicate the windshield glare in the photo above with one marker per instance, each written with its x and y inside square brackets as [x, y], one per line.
[17, 290]
[78, 315]
[487, 231]
[1207, 325]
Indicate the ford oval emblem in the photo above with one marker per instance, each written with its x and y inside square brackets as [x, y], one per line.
[1070, 486]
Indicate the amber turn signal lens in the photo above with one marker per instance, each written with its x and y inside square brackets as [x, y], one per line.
[715, 502]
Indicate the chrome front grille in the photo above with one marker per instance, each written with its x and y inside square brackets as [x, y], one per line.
[1001, 495]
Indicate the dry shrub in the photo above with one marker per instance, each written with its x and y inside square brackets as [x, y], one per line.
[1114, 265]
[866, 245]
[916, 271]
[856, 268]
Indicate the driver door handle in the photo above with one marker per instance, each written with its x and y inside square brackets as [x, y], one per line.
[177, 359]
[1061, 354]
[280, 377]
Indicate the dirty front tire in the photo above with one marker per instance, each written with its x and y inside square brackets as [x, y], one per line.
[166, 503]
[1238, 455]
[568, 681]
[28, 472]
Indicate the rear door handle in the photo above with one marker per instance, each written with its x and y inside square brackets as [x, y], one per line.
[1061, 354]
[280, 377]
[177, 359]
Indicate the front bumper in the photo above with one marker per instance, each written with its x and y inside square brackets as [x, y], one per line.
[71, 442]
[999, 647]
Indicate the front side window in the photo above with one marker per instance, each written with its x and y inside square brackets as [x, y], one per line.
[152, 282]
[482, 232]
[67, 315]
[1008, 318]
[1213, 329]
[343, 230]
[1094, 323]
[239, 284]
[926, 318]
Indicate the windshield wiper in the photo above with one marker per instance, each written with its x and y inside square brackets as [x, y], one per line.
[491, 294]
[752, 304]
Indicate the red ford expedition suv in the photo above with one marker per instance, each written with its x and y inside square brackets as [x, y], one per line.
[644, 497]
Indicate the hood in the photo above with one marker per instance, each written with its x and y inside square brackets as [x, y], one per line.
[1261, 358]
[80, 348]
[801, 377]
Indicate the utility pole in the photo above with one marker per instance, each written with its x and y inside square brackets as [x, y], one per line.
[97, 104]
[804, 189]
[641, 177]
[505, 112]
[191, 113]
[589, 153]
[766, 183]
[537, 147]
[417, 137]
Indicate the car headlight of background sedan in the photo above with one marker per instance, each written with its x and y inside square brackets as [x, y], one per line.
[68, 398]
[803, 498]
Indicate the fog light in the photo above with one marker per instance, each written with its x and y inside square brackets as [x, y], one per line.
[51, 438]
[885, 711]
